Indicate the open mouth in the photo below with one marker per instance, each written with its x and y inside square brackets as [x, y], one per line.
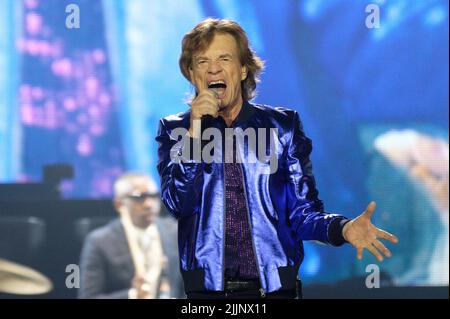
[218, 86]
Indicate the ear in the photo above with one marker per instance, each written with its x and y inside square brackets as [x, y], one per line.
[117, 205]
[191, 79]
[243, 72]
[191, 75]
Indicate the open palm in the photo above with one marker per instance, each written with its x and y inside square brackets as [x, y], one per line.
[361, 233]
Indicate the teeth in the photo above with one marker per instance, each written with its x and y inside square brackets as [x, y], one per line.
[216, 82]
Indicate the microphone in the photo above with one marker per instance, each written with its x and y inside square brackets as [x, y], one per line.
[207, 120]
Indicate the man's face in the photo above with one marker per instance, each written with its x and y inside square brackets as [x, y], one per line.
[142, 202]
[219, 68]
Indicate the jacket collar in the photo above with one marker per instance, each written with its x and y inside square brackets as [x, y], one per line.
[244, 115]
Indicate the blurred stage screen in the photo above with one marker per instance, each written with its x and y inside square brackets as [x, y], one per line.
[374, 101]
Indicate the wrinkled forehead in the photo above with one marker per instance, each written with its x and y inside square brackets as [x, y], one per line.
[219, 43]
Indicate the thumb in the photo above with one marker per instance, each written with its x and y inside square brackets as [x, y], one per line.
[370, 209]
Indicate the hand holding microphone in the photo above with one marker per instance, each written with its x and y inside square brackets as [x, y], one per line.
[203, 108]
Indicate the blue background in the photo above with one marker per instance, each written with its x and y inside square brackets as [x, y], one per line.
[120, 70]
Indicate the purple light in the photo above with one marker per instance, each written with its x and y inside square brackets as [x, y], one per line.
[97, 130]
[62, 67]
[103, 185]
[73, 101]
[45, 48]
[31, 4]
[33, 23]
[26, 114]
[37, 93]
[105, 99]
[70, 104]
[95, 112]
[91, 86]
[33, 47]
[25, 93]
[84, 146]
[99, 56]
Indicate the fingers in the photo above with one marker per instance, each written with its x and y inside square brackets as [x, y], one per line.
[379, 245]
[359, 253]
[211, 94]
[205, 103]
[385, 235]
[370, 209]
[375, 252]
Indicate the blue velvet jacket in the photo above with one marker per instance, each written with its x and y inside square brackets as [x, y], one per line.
[283, 205]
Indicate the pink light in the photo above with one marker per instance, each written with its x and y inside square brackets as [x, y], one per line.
[26, 114]
[94, 112]
[91, 86]
[33, 47]
[37, 93]
[62, 67]
[70, 104]
[103, 185]
[31, 4]
[105, 99]
[33, 23]
[84, 146]
[99, 56]
[45, 49]
[97, 130]
[25, 93]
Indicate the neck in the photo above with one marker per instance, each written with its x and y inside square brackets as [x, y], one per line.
[229, 114]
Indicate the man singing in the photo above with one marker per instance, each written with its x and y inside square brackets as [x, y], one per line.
[242, 223]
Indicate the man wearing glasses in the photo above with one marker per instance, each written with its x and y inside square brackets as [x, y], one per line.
[134, 256]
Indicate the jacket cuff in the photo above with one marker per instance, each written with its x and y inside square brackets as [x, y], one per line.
[335, 236]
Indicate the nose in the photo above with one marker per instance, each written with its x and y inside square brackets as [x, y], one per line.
[214, 67]
[150, 203]
[147, 202]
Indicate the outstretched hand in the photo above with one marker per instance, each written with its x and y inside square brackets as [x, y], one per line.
[361, 233]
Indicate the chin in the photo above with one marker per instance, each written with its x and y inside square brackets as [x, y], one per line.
[224, 105]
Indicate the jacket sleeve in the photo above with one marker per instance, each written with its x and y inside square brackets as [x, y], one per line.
[93, 267]
[181, 181]
[306, 212]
